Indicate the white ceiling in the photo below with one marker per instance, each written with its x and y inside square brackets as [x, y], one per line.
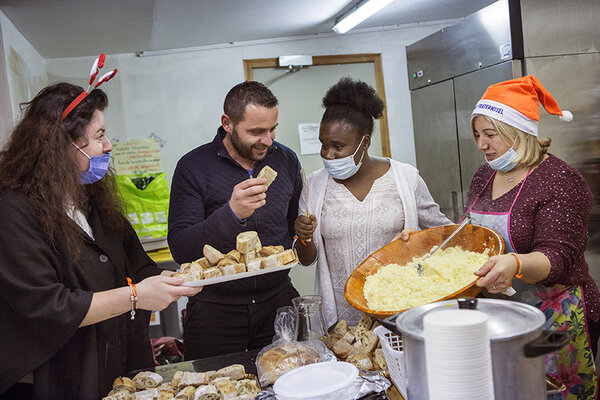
[75, 28]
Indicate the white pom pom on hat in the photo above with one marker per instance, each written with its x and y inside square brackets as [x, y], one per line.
[567, 116]
[517, 103]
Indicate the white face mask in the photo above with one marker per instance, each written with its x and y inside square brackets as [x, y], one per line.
[505, 162]
[343, 168]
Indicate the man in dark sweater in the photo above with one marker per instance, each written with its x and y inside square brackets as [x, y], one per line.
[214, 197]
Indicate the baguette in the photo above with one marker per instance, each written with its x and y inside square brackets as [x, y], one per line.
[118, 394]
[270, 250]
[123, 382]
[147, 380]
[247, 242]
[186, 394]
[234, 255]
[149, 394]
[361, 360]
[212, 255]
[269, 174]
[255, 264]
[233, 372]
[207, 392]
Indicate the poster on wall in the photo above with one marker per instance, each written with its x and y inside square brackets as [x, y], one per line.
[309, 138]
[137, 157]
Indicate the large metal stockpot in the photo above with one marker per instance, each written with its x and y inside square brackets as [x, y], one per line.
[518, 342]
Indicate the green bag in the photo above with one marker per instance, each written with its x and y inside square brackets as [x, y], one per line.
[146, 201]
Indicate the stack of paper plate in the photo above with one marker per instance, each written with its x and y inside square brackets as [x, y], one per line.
[458, 355]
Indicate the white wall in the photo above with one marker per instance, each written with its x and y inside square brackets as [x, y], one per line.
[179, 97]
[25, 67]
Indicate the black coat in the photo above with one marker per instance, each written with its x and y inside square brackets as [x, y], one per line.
[44, 297]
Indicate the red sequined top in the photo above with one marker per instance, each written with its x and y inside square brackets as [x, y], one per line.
[550, 216]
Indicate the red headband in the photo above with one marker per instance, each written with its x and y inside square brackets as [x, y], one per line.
[98, 63]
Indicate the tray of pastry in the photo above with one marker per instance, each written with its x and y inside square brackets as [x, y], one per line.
[248, 259]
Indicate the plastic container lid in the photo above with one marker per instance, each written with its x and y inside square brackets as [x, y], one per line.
[506, 319]
[310, 381]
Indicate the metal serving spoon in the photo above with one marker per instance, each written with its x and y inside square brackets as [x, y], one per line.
[462, 225]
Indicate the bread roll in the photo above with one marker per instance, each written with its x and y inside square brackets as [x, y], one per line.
[126, 383]
[247, 242]
[341, 327]
[186, 394]
[147, 379]
[239, 268]
[255, 264]
[118, 394]
[247, 387]
[204, 263]
[207, 392]
[269, 174]
[149, 394]
[226, 388]
[361, 361]
[227, 270]
[164, 395]
[286, 257]
[226, 261]
[212, 273]
[270, 262]
[233, 372]
[369, 341]
[176, 379]
[379, 359]
[267, 251]
[212, 255]
[234, 255]
[192, 379]
[341, 348]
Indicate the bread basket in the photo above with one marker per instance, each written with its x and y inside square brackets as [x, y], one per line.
[472, 237]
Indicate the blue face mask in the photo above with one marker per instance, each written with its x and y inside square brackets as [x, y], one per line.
[505, 162]
[343, 168]
[97, 169]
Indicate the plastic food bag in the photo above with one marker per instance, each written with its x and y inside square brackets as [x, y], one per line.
[285, 353]
[146, 202]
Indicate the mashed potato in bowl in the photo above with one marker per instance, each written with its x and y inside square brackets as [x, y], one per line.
[398, 287]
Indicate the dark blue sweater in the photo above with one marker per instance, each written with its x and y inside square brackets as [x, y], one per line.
[199, 214]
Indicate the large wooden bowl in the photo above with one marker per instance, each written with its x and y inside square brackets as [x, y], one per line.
[471, 237]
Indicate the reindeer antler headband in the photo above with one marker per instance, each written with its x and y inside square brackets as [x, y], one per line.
[98, 64]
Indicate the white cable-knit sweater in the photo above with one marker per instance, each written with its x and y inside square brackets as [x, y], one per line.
[420, 212]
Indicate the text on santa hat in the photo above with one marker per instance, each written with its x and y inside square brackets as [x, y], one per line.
[491, 108]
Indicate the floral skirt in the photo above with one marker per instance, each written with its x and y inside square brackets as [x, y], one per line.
[573, 365]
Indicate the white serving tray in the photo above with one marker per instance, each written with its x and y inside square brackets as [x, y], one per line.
[241, 275]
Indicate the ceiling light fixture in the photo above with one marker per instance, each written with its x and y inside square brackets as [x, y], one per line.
[358, 14]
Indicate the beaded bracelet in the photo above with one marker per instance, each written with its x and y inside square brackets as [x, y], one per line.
[133, 297]
[301, 241]
[518, 274]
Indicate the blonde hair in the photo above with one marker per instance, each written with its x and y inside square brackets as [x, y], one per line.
[531, 148]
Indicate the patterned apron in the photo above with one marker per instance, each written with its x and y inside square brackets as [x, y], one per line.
[563, 306]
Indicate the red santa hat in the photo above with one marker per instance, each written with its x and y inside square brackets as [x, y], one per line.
[516, 102]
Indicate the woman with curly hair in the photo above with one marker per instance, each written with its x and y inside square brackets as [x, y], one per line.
[70, 322]
[360, 202]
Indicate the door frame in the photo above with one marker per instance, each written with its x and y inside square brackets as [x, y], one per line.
[375, 58]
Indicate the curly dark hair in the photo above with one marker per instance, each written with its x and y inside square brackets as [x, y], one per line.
[248, 92]
[353, 102]
[37, 162]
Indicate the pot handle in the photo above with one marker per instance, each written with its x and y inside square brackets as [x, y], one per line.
[547, 342]
[390, 323]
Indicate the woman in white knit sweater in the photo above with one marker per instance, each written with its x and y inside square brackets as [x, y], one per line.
[357, 203]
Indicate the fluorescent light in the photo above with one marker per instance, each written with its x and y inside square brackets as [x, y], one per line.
[358, 14]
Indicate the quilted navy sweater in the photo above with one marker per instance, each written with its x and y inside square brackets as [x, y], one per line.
[199, 214]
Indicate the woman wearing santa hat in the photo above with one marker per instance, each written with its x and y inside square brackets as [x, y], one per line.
[540, 205]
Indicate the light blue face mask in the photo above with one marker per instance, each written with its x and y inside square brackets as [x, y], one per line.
[97, 169]
[343, 168]
[505, 162]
